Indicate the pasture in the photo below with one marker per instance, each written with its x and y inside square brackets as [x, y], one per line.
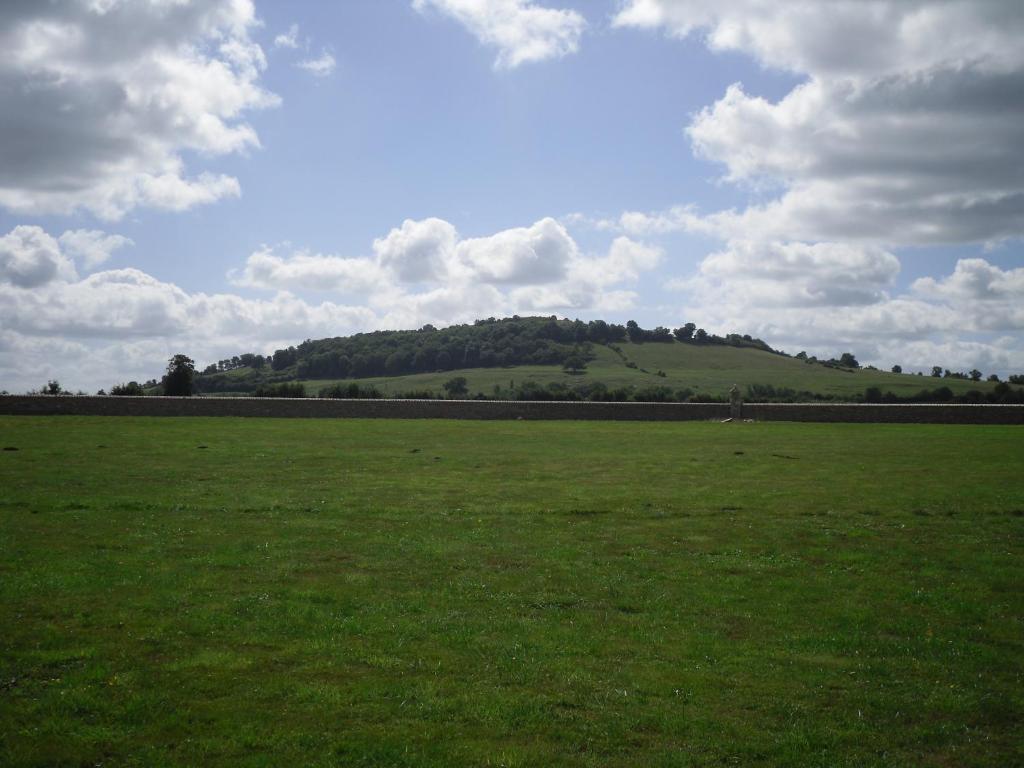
[706, 369]
[258, 592]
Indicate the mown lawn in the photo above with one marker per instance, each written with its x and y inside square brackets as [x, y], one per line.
[249, 592]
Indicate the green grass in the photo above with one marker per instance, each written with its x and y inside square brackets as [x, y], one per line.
[705, 369]
[397, 593]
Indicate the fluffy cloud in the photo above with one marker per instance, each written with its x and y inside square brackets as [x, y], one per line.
[521, 31]
[828, 295]
[537, 254]
[29, 257]
[309, 272]
[289, 39]
[846, 38]
[906, 130]
[322, 66]
[976, 280]
[418, 251]
[124, 323]
[102, 100]
[430, 253]
[801, 274]
[92, 246]
[903, 132]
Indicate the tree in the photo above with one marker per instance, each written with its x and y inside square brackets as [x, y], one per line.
[937, 371]
[178, 379]
[847, 360]
[131, 389]
[685, 333]
[975, 375]
[701, 336]
[994, 377]
[574, 364]
[897, 369]
[52, 387]
[634, 331]
[456, 387]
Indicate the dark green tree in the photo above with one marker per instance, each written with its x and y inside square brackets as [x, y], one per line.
[574, 364]
[131, 389]
[685, 333]
[456, 387]
[178, 379]
[897, 369]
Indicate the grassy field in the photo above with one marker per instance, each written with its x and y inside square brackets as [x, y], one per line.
[232, 592]
[706, 369]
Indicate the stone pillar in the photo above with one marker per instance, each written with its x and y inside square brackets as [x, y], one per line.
[735, 403]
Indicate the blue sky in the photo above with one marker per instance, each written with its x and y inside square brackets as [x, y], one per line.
[828, 179]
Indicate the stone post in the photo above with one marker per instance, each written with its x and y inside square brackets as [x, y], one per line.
[735, 403]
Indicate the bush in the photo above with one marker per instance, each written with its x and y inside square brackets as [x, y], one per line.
[456, 387]
[351, 392]
[131, 389]
[284, 389]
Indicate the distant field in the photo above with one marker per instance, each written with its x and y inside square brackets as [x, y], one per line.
[249, 592]
[705, 369]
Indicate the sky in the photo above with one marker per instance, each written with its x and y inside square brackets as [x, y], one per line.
[213, 177]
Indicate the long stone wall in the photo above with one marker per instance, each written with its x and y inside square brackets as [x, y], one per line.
[46, 405]
[362, 409]
[903, 413]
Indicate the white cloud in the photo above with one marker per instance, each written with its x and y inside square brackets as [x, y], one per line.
[289, 39]
[525, 255]
[418, 251]
[905, 131]
[846, 38]
[102, 100]
[802, 274]
[827, 296]
[625, 261]
[430, 253]
[92, 246]
[119, 324]
[976, 280]
[521, 31]
[322, 66]
[310, 272]
[29, 258]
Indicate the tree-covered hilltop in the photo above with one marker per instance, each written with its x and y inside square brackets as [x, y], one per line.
[490, 343]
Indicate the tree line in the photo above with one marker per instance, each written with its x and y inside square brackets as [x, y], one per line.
[490, 343]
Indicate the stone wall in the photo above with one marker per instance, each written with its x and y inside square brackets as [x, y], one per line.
[903, 413]
[45, 405]
[363, 409]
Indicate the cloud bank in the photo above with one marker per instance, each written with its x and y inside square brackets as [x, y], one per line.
[904, 132]
[126, 323]
[102, 100]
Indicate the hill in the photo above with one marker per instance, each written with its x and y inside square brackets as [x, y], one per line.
[520, 356]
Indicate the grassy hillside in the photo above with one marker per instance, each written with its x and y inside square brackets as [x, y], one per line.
[321, 592]
[495, 356]
[706, 369]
